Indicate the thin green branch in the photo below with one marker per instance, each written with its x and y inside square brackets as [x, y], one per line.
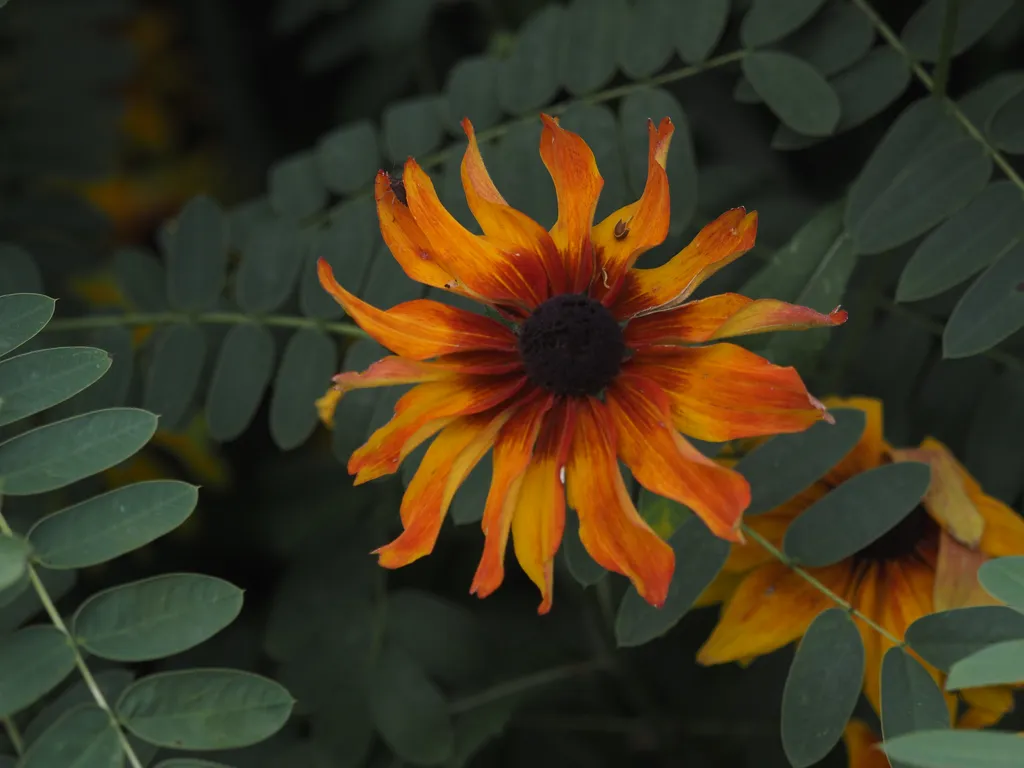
[946, 47]
[14, 735]
[83, 669]
[524, 684]
[134, 319]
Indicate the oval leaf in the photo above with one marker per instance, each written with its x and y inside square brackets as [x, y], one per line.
[1007, 129]
[271, 262]
[822, 687]
[697, 26]
[991, 310]
[308, 362]
[22, 316]
[999, 664]
[35, 381]
[174, 371]
[244, 367]
[794, 91]
[911, 701]
[83, 737]
[528, 78]
[588, 42]
[412, 128]
[956, 749]
[472, 92]
[942, 639]
[204, 709]
[14, 552]
[858, 512]
[62, 453]
[32, 663]
[771, 20]
[1003, 578]
[295, 187]
[923, 32]
[348, 157]
[579, 562]
[197, 256]
[156, 617]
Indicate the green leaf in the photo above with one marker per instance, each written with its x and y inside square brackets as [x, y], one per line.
[141, 278]
[923, 171]
[528, 78]
[994, 452]
[998, 664]
[770, 20]
[156, 617]
[109, 525]
[35, 381]
[22, 316]
[174, 370]
[386, 283]
[786, 465]
[18, 270]
[644, 43]
[472, 92]
[923, 32]
[697, 27]
[991, 310]
[468, 504]
[1003, 578]
[113, 389]
[473, 729]
[270, 264]
[942, 639]
[295, 187]
[857, 513]
[204, 708]
[981, 104]
[581, 565]
[33, 661]
[410, 712]
[956, 749]
[307, 365]
[520, 174]
[596, 124]
[84, 737]
[440, 636]
[14, 554]
[197, 256]
[700, 555]
[794, 91]
[833, 40]
[64, 452]
[654, 104]
[412, 128]
[240, 377]
[1007, 127]
[21, 603]
[189, 762]
[665, 516]
[348, 157]
[588, 43]
[354, 411]
[110, 683]
[822, 687]
[968, 242]
[911, 701]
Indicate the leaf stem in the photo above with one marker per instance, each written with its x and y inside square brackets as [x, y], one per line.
[83, 669]
[132, 319]
[946, 47]
[14, 735]
[524, 684]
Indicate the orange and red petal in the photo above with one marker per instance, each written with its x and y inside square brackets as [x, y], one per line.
[663, 462]
[956, 576]
[502, 223]
[611, 530]
[420, 329]
[724, 316]
[422, 412]
[447, 462]
[484, 270]
[861, 746]
[539, 518]
[725, 392]
[720, 243]
[512, 453]
[621, 238]
[578, 184]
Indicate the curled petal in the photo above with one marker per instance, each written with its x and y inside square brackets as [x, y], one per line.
[503, 223]
[539, 518]
[723, 316]
[610, 528]
[422, 412]
[483, 269]
[724, 392]
[512, 453]
[720, 243]
[327, 405]
[447, 462]
[633, 229]
[578, 185]
[663, 462]
[420, 329]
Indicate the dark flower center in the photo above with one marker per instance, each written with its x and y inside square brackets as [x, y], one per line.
[571, 345]
[901, 541]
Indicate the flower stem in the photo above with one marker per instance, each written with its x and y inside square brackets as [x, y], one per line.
[524, 684]
[132, 319]
[14, 735]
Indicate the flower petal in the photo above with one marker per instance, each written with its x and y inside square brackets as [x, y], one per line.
[512, 453]
[867, 596]
[610, 528]
[578, 184]
[985, 706]
[503, 223]
[664, 463]
[724, 392]
[769, 610]
[860, 743]
[956, 576]
[870, 450]
[447, 462]
[420, 329]
[423, 411]
[539, 518]
[723, 316]
[482, 268]
[635, 228]
[404, 237]
[720, 243]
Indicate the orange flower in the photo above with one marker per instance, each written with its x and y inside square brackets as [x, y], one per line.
[927, 563]
[593, 361]
[861, 751]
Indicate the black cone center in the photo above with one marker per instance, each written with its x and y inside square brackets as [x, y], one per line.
[571, 345]
[902, 540]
